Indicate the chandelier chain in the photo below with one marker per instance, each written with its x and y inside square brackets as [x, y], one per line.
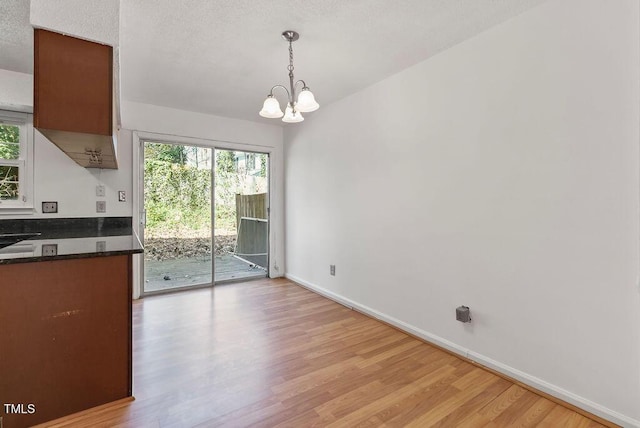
[290, 67]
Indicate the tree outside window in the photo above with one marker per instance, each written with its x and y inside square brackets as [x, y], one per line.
[9, 162]
[16, 162]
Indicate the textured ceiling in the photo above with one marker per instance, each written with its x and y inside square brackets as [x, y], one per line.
[16, 36]
[222, 57]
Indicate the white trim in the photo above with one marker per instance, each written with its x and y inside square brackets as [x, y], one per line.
[513, 373]
[21, 108]
[137, 192]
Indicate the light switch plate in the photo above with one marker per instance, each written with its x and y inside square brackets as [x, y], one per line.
[101, 206]
[122, 196]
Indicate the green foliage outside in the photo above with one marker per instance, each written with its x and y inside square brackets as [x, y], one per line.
[227, 181]
[9, 142]
[166, 152]
[9, 149]
[177, 195]
[178, 192]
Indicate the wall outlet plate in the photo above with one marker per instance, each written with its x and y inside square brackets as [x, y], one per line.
[49, 250]
[100, 190]
[122, 196]
[332, 270]
[101, 246]
[101, 206]
[49, 207]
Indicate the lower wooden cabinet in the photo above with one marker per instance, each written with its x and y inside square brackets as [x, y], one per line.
[65, 337]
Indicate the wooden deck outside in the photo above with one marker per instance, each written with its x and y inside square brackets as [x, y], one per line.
[195, 271]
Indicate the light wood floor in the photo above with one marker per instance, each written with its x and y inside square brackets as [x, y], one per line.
[271, 353]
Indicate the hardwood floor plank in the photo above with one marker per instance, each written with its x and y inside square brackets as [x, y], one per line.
[366, 410]
[502, 402]
[519, 407]
[457, 416]
[270, 353]
[538, 411]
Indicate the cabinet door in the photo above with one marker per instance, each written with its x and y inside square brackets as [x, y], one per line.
[73, 84]
[65, 331]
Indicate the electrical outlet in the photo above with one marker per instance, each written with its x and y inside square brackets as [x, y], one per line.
[332, 270]
[49, 250]
[100, 190]
[101, 246]
[101, 206]
[49, 207]
[122, 196]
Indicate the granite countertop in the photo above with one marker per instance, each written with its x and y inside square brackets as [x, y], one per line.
[69, 238]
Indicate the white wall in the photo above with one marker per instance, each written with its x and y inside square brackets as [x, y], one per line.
[57, 177]
[501, 174]
[16, 91]
[173, 125]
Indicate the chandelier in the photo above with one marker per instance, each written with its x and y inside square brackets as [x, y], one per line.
[305, 102]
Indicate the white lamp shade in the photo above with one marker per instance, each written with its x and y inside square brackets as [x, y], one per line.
[290, 117]
[271, 108]
[307, 102]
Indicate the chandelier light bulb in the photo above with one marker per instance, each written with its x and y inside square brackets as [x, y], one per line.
[306, 101]
[271, 108]
[292, 117]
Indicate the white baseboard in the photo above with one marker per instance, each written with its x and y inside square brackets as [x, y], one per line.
[534, 382]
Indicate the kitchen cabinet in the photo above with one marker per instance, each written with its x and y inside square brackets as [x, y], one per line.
[65, 336]
[74, 98]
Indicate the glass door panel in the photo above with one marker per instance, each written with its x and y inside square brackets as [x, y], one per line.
[241, 245]
[177, 200]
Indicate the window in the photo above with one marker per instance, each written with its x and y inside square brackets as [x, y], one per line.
[16, 162]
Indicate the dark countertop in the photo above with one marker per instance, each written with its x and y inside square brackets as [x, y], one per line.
[61, 239]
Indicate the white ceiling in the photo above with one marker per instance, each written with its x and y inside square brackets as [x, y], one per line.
[222, 57]
[16, 36]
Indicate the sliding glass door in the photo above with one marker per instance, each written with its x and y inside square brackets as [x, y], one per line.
[206, 216]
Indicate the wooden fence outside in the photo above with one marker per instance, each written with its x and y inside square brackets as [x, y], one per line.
[254, 206]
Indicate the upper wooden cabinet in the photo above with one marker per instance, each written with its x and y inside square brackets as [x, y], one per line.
[73, 97]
